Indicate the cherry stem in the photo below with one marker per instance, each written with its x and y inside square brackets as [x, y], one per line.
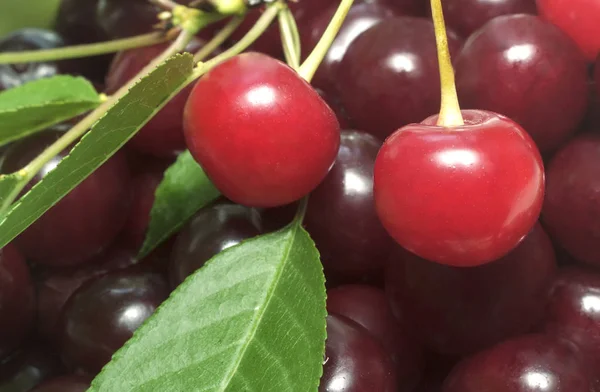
[301, 211]
[219, 38]
[290, 37]
[308, 69]
[450, 115]
[167, 5]
[76, 51]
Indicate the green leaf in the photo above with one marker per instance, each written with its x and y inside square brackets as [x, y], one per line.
[37, 105]
[111, 132]
[184, 190]
[252, 319]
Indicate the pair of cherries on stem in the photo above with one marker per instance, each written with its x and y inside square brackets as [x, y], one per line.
[460, 188]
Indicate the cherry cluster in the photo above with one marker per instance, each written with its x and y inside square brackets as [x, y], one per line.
[461, 253]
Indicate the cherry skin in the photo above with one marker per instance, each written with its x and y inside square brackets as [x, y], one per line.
[162, 136]
[212, 230]
[571, 210]
[577, 18]
[457, 311]
[461, 196]
[103, 314]
[73, 383]
[86, 220]
[368, 307]
[355, 361]
[341, 216]
[17, 300]
[265, 137]
[389, 76]
[466, 16]
[124, 18]
[548, 90]
[29, 367]
[570, 312]
[532, 363]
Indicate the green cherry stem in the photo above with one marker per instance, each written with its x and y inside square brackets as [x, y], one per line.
[290, 37]
[71, 52]
[308, 69]
[219, 38]
[450, 115]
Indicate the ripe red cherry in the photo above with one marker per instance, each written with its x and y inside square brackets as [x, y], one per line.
[577, 18]
[461, 196]
[263, 135]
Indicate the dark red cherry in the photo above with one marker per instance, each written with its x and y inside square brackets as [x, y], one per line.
[458, 311]
[341, 216]
[573, 310]
[532, 363]
[466, 16]
[527, 69]
[211, 230]
[361, 17]
[83, 222]
[162, 136]
[265, 137]
[103, 314]
[29, 367]
[72, 383]
[354, 360]
[17, 300]
[571, 211]
[368, 306]
[460, 196]
[124, 18]
[389, 75]
[578, 18]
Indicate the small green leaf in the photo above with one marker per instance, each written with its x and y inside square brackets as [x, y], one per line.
[111, 132]
[8, 187]
[37, 105]
[184, 190]
[252, 319]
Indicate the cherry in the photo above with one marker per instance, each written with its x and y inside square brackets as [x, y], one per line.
[360, 18]
[340, 112]
[83, 222]
[103, 314]
[124, 18]
[354, 360]
[577, 18]
[458, 311]
[532, 363]
[368, 306]
[341, 216]
[466, 16]
[211, 230]
[13, 75]
[389, 75]
[597, 75]
[162, 136]
[28, 368]
[17, 300]
[255, 133]
[405, 7]
[547, 93]
[571, 210]
[73, 383]
[461, 196]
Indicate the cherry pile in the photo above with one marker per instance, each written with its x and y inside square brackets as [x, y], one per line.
[456, 260]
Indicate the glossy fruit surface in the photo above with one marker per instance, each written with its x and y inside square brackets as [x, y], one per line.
[572, 206]
[73, 383]
[389, 75]
[457, 311]
[102, 315]
[466, 16]
[341, 216]
[254, 134]
[577, 18]
[368, 307]
[573, 312]
[13, 75]
[533, 363]
[162, 136]
[211, 230]
[82, 223]
[461, 196]
[17, 300]
[547, 93]
[28, 368]
[355, 361]
[125, 18]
